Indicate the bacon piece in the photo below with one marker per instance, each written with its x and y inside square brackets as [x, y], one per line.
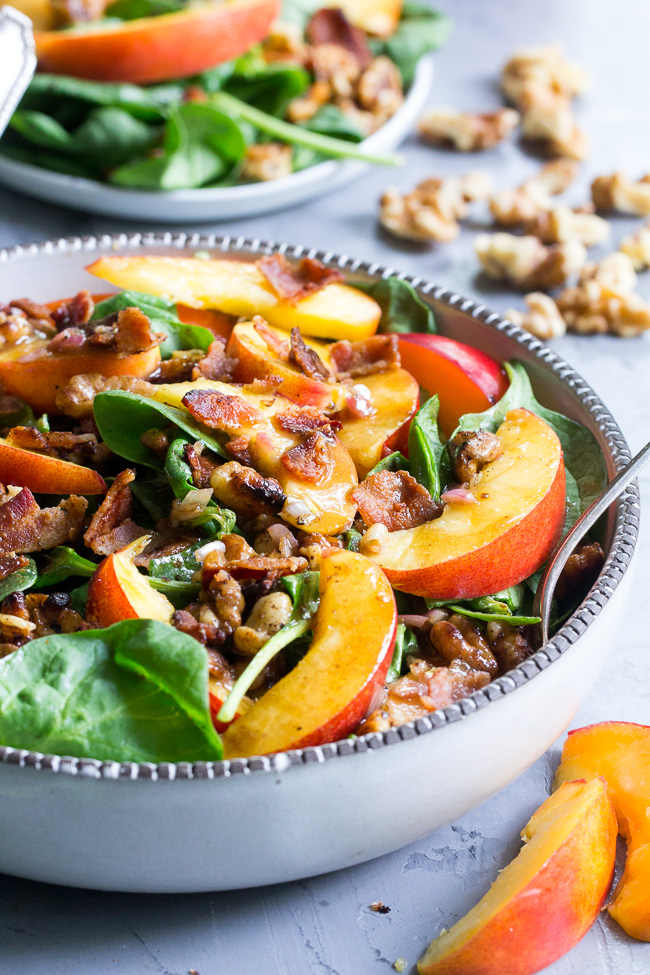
[306, 358]
[209, 634]
[221, 411]
[263, 565]
[239, 448]
[330, 26]
[29, 438]
[278, 346]
[11, 563]
[215, 364]
[307, 419]
[376, 354]
[178, 368]
[246, 491]
[53, 443]
[73, 313]
[134, 332]
[310, 460]
[25, 527]
[396, 500]
[112, 528]
[202, 467]
[292, 283]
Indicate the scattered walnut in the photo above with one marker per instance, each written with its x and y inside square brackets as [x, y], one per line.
[516, 207]
[542, 319]
[561, 223]
[432, 210]
[603, 301]
[637, 248]
[467, 131]
[547, 117]
[546, 66]
[617, 192]
[380, 89]
[470, 451]
[525, 263]
[267, 160]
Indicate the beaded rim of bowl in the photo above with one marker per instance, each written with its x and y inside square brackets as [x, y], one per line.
[625, 533]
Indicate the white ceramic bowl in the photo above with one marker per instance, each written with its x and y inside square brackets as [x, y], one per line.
[222, 825]
[220, 202]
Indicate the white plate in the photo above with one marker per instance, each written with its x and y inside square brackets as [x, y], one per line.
[239, 823]
[220, 202]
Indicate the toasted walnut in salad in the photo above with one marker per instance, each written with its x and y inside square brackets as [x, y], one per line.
[247, 507]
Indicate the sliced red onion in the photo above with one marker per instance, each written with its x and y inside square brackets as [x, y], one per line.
[459, 494]
[284, 539]
[69, 340]
[437, 615]
[414, 620]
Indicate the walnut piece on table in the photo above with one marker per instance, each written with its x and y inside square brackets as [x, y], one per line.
[515, 207]
[527, 264]
[618, 192]
[637, 247]
[547, 66]
[562, 223]
[542, 317]
[603, 301]
[432, 210]
[468, 131]
[548, 118]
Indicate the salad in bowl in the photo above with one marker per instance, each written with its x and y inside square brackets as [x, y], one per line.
[249, 508]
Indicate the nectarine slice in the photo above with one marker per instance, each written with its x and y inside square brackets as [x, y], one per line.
[465, 379]
[117, 591]
[394, 396]
[331, 689]
[36, 375]
[546, 900]
[256, 361]
[239, 288]
[46, 475]
[620, 752]
[152, 49]
[501, 538]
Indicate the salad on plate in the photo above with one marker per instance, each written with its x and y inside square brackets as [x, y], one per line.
[247, 507]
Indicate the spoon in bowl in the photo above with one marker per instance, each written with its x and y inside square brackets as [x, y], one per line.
[17, 61]
[554, 566]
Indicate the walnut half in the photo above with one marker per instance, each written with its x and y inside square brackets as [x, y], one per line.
[432, 210]
[467, 131]
[617, 192]
[525, 263]
[542, 318]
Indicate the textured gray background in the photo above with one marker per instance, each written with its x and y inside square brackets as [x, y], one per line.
[324, 926]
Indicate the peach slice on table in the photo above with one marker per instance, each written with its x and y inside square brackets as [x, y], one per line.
[333, 687]
[239, 288]
[36, 375]
[546, 900]
[501, 538]
[465, 379]
[255, 360]
[152, 49]
[46, 475]
[394, 397]
[620, 752]
[322, 505]
[118, 591]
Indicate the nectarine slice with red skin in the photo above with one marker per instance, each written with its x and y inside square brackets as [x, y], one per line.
[239, 288]
[36, 375]
[46, 475]
[546, 900]
[333, 687]
[117, 591]
[620, 752]
[153, 49]
[465, 379]
[256, 361]
[394, 396]
[501, 538]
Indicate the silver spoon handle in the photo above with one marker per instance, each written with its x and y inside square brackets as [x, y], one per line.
[17, 61]
[542, 603]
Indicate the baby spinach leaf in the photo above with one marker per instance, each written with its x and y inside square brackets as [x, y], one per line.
[402, 309]
[134, 9]
[21, 415]
[47, 160]
[393, 462]
[177, 471]
[162, 314]
[582, 455]
[111, 135]
[426, 447]
[405, 643]
[493, 617]
[178, 567]
[20, 580]
[79, 598]
[268, 86]
[200, 145]
[151, 104]
[351, 539]
[137, 691]
[419, 31]
[305, 593]
[123, 417]
[151, 490]
[61, 563]
[42, 130]
[330, 120]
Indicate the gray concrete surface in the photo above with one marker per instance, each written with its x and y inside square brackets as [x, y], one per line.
[324, 926]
